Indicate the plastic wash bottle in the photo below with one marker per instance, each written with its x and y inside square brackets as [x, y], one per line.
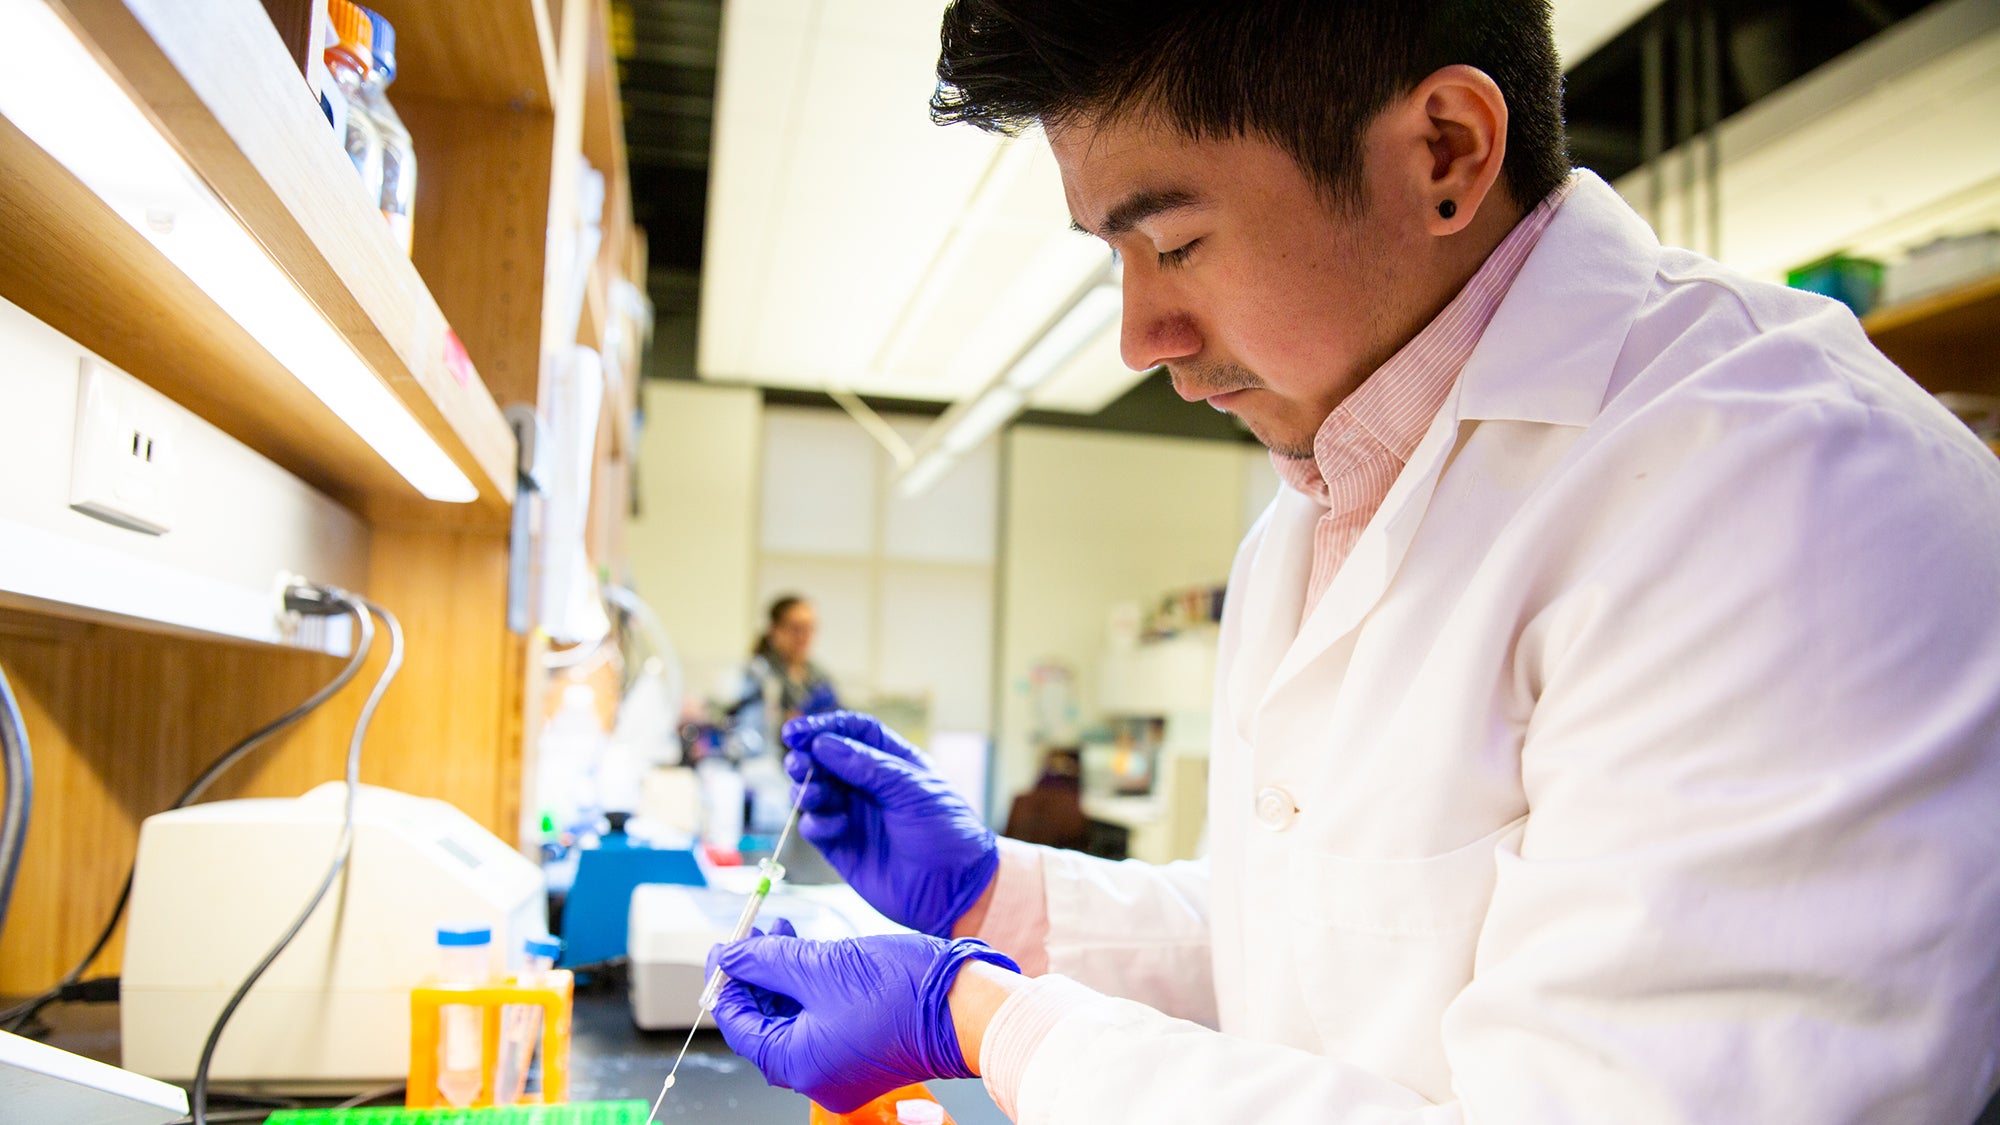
[911, 1105]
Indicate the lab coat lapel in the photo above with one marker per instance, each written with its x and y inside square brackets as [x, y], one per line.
[1547, 356]
[1274, 597]
[1365, 574]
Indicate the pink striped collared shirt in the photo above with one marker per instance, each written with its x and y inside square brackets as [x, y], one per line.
[1364, 444]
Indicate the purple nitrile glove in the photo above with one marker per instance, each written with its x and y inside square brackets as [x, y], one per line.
[844, 1022]
[893, 829]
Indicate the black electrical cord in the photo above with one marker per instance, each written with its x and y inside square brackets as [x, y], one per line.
[313, 600]
[198, 1095]
[96, 990]
[20, 766]
[17, 1017]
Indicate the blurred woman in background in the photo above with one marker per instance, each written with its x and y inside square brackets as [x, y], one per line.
[780, 683]
[781, 674]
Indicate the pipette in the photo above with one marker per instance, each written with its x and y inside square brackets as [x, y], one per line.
[769, 871]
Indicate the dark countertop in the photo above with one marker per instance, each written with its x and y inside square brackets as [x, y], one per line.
[610, 1058]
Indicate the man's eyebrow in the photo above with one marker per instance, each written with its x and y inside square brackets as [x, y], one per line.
[1136, 209]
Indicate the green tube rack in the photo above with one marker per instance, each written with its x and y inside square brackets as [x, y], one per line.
[570, 1113]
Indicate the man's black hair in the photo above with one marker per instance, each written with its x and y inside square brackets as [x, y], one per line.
[1308, 75]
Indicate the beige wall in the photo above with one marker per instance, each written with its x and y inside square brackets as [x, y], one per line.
[903, 586]
[1090, 520]
[694, 545]
[1093, 520]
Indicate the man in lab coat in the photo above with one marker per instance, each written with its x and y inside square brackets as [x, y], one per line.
[1607, 718]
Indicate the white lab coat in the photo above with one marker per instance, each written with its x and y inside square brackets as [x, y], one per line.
[1641, 764]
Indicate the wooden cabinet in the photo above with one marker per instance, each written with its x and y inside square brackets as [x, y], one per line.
[1949, 341]
[501, 96]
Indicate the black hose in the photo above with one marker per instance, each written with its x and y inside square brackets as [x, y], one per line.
[198, 1095]
[17, 1017]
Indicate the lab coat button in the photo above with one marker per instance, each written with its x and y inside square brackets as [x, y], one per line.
[1276, 808]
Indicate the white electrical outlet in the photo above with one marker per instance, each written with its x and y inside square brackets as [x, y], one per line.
[125, 468]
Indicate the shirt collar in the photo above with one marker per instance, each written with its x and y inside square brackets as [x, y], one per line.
[1389, 412]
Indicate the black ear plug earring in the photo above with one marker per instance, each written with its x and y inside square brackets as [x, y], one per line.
[1447, 209]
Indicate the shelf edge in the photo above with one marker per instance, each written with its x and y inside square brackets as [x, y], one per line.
[43, 572]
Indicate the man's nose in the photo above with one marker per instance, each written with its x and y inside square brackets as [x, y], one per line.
[1156, 328]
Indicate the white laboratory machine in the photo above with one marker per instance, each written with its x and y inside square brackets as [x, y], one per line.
[674, 927]
[216, 884]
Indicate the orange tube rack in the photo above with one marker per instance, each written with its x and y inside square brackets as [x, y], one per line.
[553, 997]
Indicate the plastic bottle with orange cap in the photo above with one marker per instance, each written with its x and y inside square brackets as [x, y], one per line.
[398, 192]
[350, 60]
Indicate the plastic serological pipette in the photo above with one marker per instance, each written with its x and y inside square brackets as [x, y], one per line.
[770, 871]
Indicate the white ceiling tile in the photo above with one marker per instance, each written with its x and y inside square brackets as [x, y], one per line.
[827, 238]
[1012, 265]
[910, 23]
[1026, 302]
[863, 210]
[844, 245]
[760, 74]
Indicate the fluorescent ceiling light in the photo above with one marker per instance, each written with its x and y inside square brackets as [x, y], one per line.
[986, 415]
[1092, 312]
[1010, 161]
[55, 91]
[964, 427]
[925, 473]
[1064, 263]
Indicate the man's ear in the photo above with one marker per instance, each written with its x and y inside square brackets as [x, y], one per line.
[1463, 117]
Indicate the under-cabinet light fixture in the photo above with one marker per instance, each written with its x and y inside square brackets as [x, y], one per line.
[57, 93]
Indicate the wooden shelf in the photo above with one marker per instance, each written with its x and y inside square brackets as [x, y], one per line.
[1947, 342]
[500, 54]
[603, 113]
[73, 263]
[220, 85]
[126, 706]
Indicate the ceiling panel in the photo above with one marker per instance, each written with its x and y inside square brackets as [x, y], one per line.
[865, 208]
[1013, 267]
[851, 243]
[831, 194]
[1027, 302]
[753, 118]
[986, 240]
